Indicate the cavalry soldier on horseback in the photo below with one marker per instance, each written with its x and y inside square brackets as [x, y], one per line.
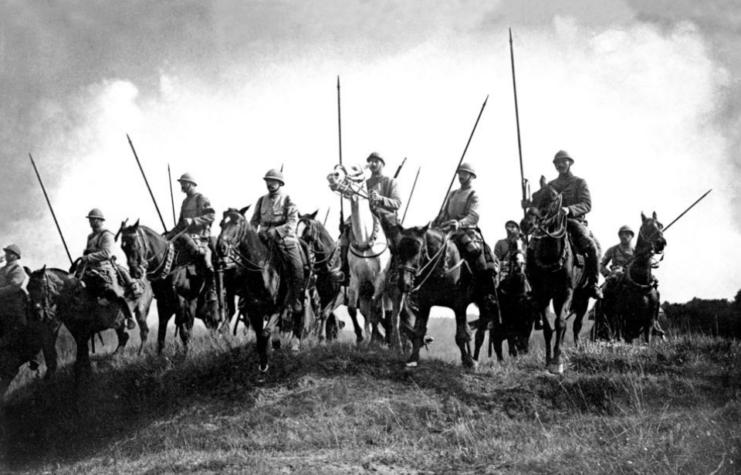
[276, 217]
[13, 279]
[97, 266]
[194, 228]
[620, 255]
[461, 217]
[577, 202]
[385, 201]
[503, 247]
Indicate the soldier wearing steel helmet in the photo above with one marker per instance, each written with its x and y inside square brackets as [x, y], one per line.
[276, 219]
[385, 201]
[619, 255]
[504, 247]
[194, 228]
[461, 216]
[13, 280]
[577, 202]
[96, 266]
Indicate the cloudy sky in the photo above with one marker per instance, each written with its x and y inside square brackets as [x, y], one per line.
[644, 96]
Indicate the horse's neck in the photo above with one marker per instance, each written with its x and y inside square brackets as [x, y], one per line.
[640, 268]
[363, 223]
[157, 245]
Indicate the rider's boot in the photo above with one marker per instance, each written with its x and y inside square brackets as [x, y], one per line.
[209, 275]
[133, 288]
[123, 305]
[592, 271]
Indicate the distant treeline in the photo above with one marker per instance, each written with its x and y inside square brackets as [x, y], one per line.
[718, 317]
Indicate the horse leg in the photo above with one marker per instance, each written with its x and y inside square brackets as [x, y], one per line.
[123, 338]
[579, 309]
[463, 337]
[83, 367]
[481, 328]
[49, 348]
[561, 308]
[142, 311]
[262, 336]
[420, 330]
[164, 312]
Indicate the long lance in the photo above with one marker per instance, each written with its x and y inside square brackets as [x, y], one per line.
[410, 196]
[523, 182]
[172, 197]
[48, 202]
[326, 216]
[442, 208]
[339, 128]
[147, 182]
[398, 170]
[685, 211]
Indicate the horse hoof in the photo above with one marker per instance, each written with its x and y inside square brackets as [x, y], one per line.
[555, 368]
[295, 345]
[412, 364]
[276, 344]
[263, 369]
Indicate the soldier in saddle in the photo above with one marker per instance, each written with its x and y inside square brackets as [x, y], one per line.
[577, 202]
[13, 281]
[620, 255]
[461, 217]
[385, 201]
[276, 218]
[504, 247]
[194, 228]
[97, 266]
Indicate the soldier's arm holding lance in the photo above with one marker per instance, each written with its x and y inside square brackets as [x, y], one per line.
[472, 215]
[106, 249]
[392, 200]
[13, 282]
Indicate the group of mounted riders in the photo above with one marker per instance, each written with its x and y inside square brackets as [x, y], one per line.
[275, 218]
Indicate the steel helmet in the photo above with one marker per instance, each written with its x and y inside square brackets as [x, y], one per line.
[563, 154]
[95, 213]
[188, 178]
[14, 249]
[626, 229]
[513, 223]
[466, 167]
[377, 156]
[274, 174]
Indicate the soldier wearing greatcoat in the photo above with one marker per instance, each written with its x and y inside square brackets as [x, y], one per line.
[98, 273]
[619, 255]
[276, 219]
[461, 217]
[385, 201]
[196, 216]
[13, 280]
[577, 202]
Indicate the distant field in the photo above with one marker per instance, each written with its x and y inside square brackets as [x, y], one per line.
[673, 408]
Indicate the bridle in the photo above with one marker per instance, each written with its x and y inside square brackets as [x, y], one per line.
[430, 263]
[145, 249]
[232, 244]
[330, 255]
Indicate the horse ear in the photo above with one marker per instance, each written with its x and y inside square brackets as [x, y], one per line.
[425, 228]
[655, 216]
[244, 210]
[542, 181]
[313, 215]
[136, 224]
[43, 269]
[643, 217]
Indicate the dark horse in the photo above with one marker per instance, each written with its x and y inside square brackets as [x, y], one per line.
[554, 272]
[433, 273]
[326, 259]
[631, 307]
[58, 296]
[22, 341]
[257, 279]
[178, 289]
[517, 312]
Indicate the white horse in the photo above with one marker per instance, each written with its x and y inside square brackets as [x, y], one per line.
[368, 255]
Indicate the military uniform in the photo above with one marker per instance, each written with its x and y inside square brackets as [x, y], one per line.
[197, 209]
[13, 279]
[576, 197]
[619, 256]
[99, 275]
[276, 217]
[502, 251]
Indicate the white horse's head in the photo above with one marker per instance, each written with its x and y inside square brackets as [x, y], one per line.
[346, 180]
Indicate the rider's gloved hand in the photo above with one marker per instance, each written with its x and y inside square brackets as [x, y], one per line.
[565, 211]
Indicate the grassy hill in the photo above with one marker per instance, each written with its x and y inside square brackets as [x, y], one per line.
[671, 408]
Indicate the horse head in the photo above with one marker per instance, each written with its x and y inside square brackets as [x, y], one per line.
[234, 226]
[546, 207]
[133, 244]
[412, 251]
[43, 288]
[308, 227]
[347, 180]
[651, 235]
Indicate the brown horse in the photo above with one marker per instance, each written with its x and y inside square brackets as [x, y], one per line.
[554, 272]
[518, 313]
[631, 307]
[257, 280]
[433, 273]
[58, 296]
[326, 259]
[176, 286]
[21, 342]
